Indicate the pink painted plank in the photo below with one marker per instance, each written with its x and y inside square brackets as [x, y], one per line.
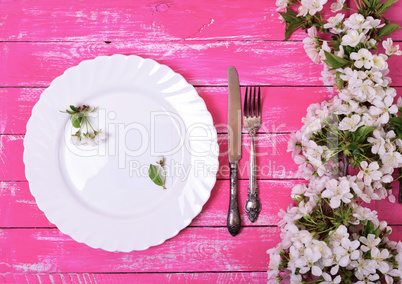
[18, 208]
[16, 108]
[155, 20]
[201, 63]
[146, 278]
[193, 249]
[11, 164]
[280, 111]
[271, 155]
[130, 20]
[273, 159]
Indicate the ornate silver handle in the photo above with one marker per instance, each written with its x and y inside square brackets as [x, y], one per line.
[233, 222]
[253, 205]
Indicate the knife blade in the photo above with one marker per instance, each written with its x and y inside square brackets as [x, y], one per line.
[234, 147]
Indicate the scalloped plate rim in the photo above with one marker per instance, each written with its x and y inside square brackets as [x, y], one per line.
[26, 159]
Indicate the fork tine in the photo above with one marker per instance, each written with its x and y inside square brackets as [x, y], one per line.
[245, 103]
[250, 113]
[259, 101]
[254, 102]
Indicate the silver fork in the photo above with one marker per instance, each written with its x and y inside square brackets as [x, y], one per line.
[252, 122]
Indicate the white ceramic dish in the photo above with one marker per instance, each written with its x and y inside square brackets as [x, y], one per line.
[102, 196]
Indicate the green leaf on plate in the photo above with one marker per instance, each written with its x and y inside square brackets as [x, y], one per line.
[76, 120]
[154, 175]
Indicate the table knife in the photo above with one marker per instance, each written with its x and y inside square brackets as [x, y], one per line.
[234, 148]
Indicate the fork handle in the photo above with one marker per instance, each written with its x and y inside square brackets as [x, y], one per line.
[253, 205]
[233, 222]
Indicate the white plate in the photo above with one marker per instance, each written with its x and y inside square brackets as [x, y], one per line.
[103, 196]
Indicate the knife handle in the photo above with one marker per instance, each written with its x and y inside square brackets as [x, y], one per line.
[233, 222]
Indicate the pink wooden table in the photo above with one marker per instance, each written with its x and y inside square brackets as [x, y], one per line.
[199, 39]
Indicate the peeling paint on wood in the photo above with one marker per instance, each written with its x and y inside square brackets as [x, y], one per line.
[193, 249]
[282, 107]
[146, 278]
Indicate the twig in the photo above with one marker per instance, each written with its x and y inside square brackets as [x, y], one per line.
[345, 165]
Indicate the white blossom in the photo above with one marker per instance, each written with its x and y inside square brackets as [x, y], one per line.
[76, 140]
[347, 251]
[369, 172]
[337, 192]
[380, 257]
[363, 58]
[351, 123]
[281, 4]
[328, 279]
[380, 62]
[391, 48]
[311, 7]
[356, 21]
[368, 243]
[308, 261]
[334, 21]
[273, 267]
[353, 38]
[337, 6]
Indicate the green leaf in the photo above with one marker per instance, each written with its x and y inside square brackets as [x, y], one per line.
[73, 108]
[291, 12]
[290, 29]
[387, 4]
[336, 44]
[388, 29]
[335, 61]
[76, 120]
[154, 175]
[396, 120]
[369, 229]
[356, 152]
[399, 132]
[339, 81]
[367, 2]
[289, 18]
[352, 146]
[362, 132]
